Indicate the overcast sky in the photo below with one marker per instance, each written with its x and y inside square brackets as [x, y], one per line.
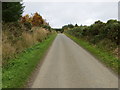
[62, 13]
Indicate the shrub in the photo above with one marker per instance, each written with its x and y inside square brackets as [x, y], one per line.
[14, 42]
[105, 35]
[107, 44]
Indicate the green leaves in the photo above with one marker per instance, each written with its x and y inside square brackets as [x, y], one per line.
[99, 32]
[11, 11]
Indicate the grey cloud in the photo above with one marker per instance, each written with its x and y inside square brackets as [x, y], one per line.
[59, 13]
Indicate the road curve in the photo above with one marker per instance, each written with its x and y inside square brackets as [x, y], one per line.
[67, 65]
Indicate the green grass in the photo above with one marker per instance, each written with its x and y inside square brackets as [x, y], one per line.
[17, 71]
[106, 57]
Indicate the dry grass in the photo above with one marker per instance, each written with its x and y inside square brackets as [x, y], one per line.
[27, 39]
[7, 50]
[40, 34]
[11, 45]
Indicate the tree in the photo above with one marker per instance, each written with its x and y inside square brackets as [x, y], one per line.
[70, 26]
[66, 27]
[76, 25]
[37, 20]
[11, 11]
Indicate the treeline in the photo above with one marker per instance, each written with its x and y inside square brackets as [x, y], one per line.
[12, 11]
[35, 20]
[20, 32]
[100, 34]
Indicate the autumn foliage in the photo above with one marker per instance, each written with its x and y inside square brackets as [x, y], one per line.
[26, 18]
[18, 36]
[35, 20]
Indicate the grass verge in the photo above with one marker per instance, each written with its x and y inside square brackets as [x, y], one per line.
[16, 71]
[107, 58]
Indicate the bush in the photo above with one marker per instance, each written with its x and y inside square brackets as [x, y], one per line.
[16, 38]
[107, 44]
[105, 35]
[47, 27]
[28, 25]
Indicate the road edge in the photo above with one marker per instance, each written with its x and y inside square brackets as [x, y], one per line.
[34, 74]
[110, 69]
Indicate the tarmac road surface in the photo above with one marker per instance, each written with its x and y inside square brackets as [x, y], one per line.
[67, 65]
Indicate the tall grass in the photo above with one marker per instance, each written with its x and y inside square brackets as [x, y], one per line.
[17, 71]
[15, 40]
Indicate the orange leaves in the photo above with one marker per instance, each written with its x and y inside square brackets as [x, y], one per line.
[25, 18]
[35, 20]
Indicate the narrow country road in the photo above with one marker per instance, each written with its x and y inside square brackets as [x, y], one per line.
[67, 65]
